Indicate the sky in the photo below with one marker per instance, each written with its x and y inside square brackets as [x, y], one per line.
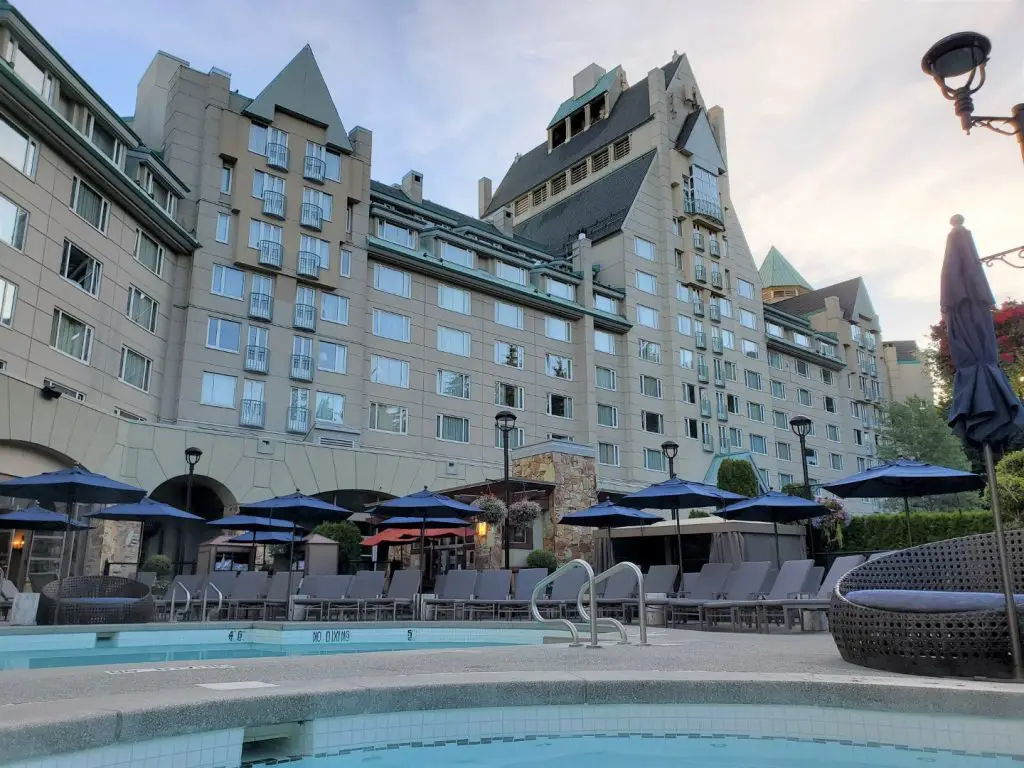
[842, 153]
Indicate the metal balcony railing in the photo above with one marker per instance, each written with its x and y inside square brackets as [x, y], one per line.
[702, 374]
[261, 306]
[274, 204]
[298, 420]
[714, 313]
[723, 415]
[716, 278]
[716, 344]
[314, 169]
[708, 445]
[701, 207]
[705, 409]
[698, 240]
[308, 265]
[312, 216]
[277, 155]
[698, 308]
[253, 413]
[302, 367]
[270, 254]
[700, 273]
[719, 381]
[701, 340]
[257, 359]
[713, 247]
[305, 317]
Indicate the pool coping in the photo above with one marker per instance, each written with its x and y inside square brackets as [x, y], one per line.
[164, 626]
[50, 728]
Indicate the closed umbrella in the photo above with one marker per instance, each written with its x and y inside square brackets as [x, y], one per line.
[774, 508]
[985, 411]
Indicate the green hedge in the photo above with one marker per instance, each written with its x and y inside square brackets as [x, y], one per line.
[876, 532]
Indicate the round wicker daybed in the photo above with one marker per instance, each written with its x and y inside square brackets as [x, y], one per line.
[96, 600]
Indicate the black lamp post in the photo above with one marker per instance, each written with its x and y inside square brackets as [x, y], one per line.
[966, 53]
[801, 427]
[506, 422]
[192, 457]
[670, 449]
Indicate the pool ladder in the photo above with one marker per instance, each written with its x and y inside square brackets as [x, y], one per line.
[589, 616]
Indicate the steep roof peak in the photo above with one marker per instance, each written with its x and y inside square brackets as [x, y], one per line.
[776, 271]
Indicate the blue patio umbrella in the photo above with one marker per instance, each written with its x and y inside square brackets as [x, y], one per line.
[430, 522]
[252, 523]
[422, 506]
[774, 508]
[39, 519]
[985, 410]
[607, 514]
[145, 511]
[267, 537]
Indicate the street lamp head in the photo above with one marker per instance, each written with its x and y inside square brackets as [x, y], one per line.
[192, 456]
[957, 55]
[506, 420]
[800, 425]
[670, 448]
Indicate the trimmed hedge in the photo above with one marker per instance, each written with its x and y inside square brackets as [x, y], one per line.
[876, 532]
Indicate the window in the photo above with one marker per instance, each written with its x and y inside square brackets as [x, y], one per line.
[13, 223]
[558, 366]
[561, 289]
[516, 438]
[780, 420]
[828, 349]
[862, 464]
[690, 428]
[650, 351]
[345, 262]
[227, 176]
[319, 248]
[564, 438]
[71, 336]
[89, 204]
[778, 389]
[80, 268]
[224, 335]
[560, 405]
[752, 379]
[453, 299]
[266, 182]
[558, 329]
[261, 230]
[812, 457]
[755, 411]
[646, 316]
[645, 249]
[802, 369]
[218, 390]
[725, 307]
[608, 454]
[607, 415]
[604, 378]
[604, 342]
[728, 339]
[775, 330]
[148, 253]
[325, 202]
[801, 339]
[8, 297]
[392, 281]
[832, 433]
[758, 444]
[330, 408]
[749, 348]
[453, 253]
[453, 341]
[689, 393]
[223, 227]
[835, 460]
[783, 452]
[606, 304]
[830, 404]
[332, 357]
[655, 460]
[646, 282]
[508, 395]
[510, 272]
[389, 418]
[387, 370]
[17, 148]
[652, 422]
[350, 216]
[142, 309]
[785, 479]
[453, 429]
[827, 377]
[228, 282]
[685, 325]
[732, 403]
[390, 325]
[453, 384]
[334, 308]
[558, 185]
[508, 354]
[748, 319]
[394, 233]
[775, 360]
[686, 358]
[508, 314]
[730, 371]
[135, 369]
[683, 293]
[650, 386]
[744, 289]
[803, 396]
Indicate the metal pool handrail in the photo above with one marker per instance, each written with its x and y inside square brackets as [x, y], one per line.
[188, 599]
[542, 585]
[615, 622]
[220, 599]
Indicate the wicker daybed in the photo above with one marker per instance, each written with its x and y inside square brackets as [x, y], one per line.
[937, 609]
[96, 600]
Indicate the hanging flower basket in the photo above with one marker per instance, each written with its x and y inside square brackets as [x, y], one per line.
[492, 510]
[521, 514]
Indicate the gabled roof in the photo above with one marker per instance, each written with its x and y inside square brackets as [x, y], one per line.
[697, 140]
[569, 106]
[599, 209]
[846, 291]
[776, 272]
[300, 89]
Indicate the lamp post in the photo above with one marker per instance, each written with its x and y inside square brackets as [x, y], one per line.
[506, 422]
[192, 457]
[670, 449]
[801, 426]
[966, 54]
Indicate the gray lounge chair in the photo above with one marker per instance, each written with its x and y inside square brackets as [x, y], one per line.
[813, 583]
[248, 594]
[439, 584]
[176, 593]
[659, 580]
[317, 592]
[367, 585]
[743, 583]
[526, 580]
[458, 590]
[620, 588]
[793, 610]
[277, 595]
[401, 595]
[787, 585]
[564, 591]
[492, 588]
[7, 594]
[708, 584]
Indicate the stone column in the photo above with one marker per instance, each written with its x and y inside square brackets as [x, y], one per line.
[571, 467]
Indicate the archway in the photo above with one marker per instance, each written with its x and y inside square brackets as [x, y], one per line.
[211, 500]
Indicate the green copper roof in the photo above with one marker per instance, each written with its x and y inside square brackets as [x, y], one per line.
[776, 271]
[571, 105]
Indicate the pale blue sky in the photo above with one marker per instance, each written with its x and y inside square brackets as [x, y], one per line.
[841, 152]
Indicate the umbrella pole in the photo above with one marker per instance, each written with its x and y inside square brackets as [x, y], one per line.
[291, 556]
[679, 542]
[906, 513]
[1004, 567]
[778, 559]
[64, 546]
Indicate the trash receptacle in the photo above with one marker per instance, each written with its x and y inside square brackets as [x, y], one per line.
[655, 613]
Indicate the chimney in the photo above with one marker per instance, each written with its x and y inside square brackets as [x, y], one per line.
[502, 220]
[483, 195]
[586, 79]
[412, 185]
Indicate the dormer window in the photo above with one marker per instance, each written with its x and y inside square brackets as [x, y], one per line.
[35, 76]
[558, 135]
[577, 122]
[597, 109]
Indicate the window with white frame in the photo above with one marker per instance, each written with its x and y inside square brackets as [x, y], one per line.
[227, 177]
[80, 268]
[266, 182]
[608, 454]
[391, 325]
[773, 329]
[604, 342]
[89, 204]
[453, 341]
[730, 371]
[560, 406]
[689, 393]
[558, 366]
[812, 457]
[652, 422]
[149, 253]
[451, 252]
[334, 308]
[345, 262]
[561, 289]
[748, 319]
[223, 227]
[649, 350]
[832, 433]
[508, 314]
[17, 148]
[135, 369]
[752, 379]
[453, 384]
[389, 418]
[749, 348]
[350, 217]
[228, 282]
[759, 444]
[516, 438]
[453, 299]
[262, 135]
[683, 292]
[387, 370]
[606, 304]
[71, 336]
[783, 451]
[454, 429]
[393, 281]
[646, 316]
[224, 335]
[13, 224]
[142, 309]
[604, 378]
[558, 329]
[330, 408]
[645, 249]
[686, 358]
[218, 389]
[728, 339]
[510, 272]
[744, 288]
[755, 411]
[835, 460]
[654, 459]
[830, 404]
[509, 395]
[802, 369]
[691, 428]
[685, 325]
[511, 355]
[778, 389]
[319, 248]
[803, 396]
[607, 415]
[320, 199]
[827, 377]
[262, 230]
[397, 234]
[801, 339]
[646, 282]
[332, 357]
[650, 386]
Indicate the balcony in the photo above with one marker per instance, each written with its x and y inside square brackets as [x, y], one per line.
[309, 265]
[716, 344]
[698, 308]
[261, 306]
[873, 369]
[253, 414]
[705, 409]
[277, 155]
[714, 313]
[698, 240]
[257, 359]
[314, 169]
[713, 247]
[298, 420]
[863, 366]
[274, 204]
[305, 317]
[302, 368]
[701, 340]
[700, 273]
[271, 254]
[719, 381]
[702, 374]
[312, 216]
[708, 209]
[707, 445]
[723, 415]
[716, 278]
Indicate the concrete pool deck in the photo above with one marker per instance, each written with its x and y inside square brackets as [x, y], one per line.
[49, 710]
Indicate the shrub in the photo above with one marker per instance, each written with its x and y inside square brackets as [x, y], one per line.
[738, 476]
[492, 509]
[872, 533]
[696, 513]
[541, 558]
[350, 543]
[796, 489]
[159, 564]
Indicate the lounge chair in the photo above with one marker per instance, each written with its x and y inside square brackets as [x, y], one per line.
[526, 580]
[439, 584]
[317, 592]
[277, 595]
[492, 588]
[620, 588]
[708, 584]
[176, 593]
[659, 580]
[458, 590]
[787, 585]
[216, 592]
[564, 591]
[792, 610]
[743, 583]
[248, 594]
[813, 583]
[401, 594]
[367, 585]
[8, 592]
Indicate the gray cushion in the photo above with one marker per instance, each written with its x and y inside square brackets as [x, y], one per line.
[922, 601]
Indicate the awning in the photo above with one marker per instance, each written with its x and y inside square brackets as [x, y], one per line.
[409, 535]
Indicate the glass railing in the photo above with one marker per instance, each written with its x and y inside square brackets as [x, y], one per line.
[705, 408]
[702, 207]
[700, 273]
[714, 313]
[698, 308]
[716, 344]
[702, 374]
[716, 278]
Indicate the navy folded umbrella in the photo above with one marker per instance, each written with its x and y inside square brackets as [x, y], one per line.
[39, 519]
[985, 411]
[774, 508]
[607, 514]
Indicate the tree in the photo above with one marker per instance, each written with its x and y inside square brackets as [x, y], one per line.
[917, 430]
[1010, 481]
[350, 543]
[738, 476]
